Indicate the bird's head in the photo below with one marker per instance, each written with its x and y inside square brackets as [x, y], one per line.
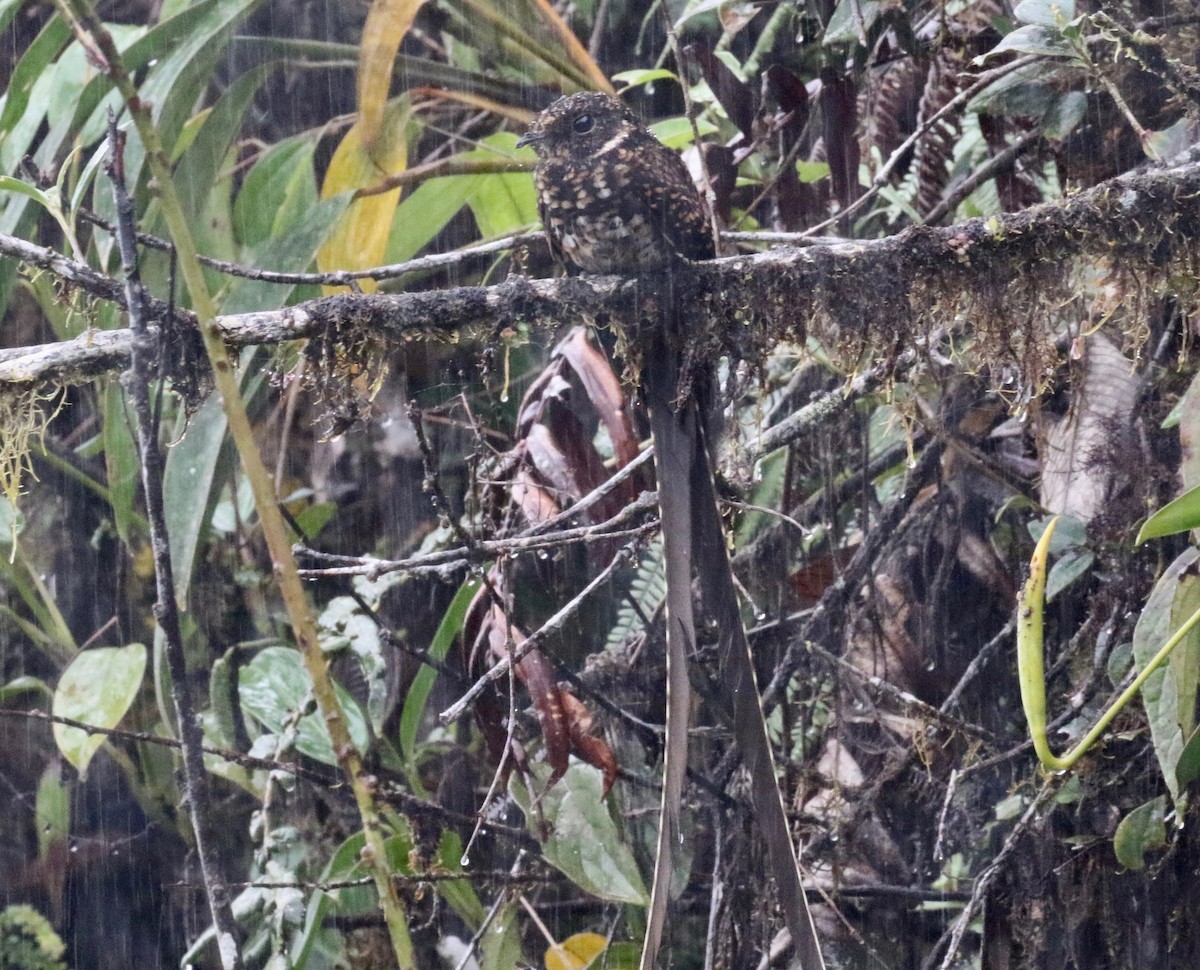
[583, 125]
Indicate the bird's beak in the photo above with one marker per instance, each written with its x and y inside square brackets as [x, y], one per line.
[531, 137]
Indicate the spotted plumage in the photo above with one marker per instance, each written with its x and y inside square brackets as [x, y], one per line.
[612, 197]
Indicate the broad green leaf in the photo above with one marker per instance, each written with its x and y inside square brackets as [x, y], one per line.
[425, 212]
[198, 168]
[197, 469]
[35, 64]
[809, 172]
[677, 132]
[343, 625]
[1067, 569]
[360, 237]
[635, 79]
[293, 251]
[501, 947]
[276, 191]
[1176, 516]
[97, 688]
[503, 203]
[1187, 769]
[1046, 13]
[850, 21]
[1169, 694]
[1140, 831]
[52, 809]
[121, 461]
[1064, 114]
[274, 685]
[584, 843]
[1033, 39]
[418, 694]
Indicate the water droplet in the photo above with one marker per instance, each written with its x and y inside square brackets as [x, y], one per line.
[465, 860]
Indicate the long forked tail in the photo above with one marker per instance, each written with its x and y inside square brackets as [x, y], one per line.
[676, 437]
[749, 723]
[691, 524]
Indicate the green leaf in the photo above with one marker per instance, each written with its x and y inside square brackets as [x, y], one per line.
[121, 461]
[19, 686]
[10, 184]
[850, 21]
[274, 685]
[584, 843]
[809, 172]
[52, 809]
[198, 169]
[274, 193]
[1064, 114]
[413, 710]
[635, 79]
[460, 894]
[1033, 39]
[1045, 13]
[1187, 769]
[677, 132]
[424, 213]
[1139, 832]
[501, 946]
[35, 64]
[1169, 694]
[1179, 515]
[177, 80]
[1067, 569]
[291, 251]
[97, 688]
[647, 590]
[503, 203]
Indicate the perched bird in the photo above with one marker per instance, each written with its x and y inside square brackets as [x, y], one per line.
[614, 199]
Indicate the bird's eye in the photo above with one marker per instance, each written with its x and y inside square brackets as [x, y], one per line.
[584, 124]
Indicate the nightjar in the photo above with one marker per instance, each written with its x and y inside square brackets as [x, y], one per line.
[612, 197]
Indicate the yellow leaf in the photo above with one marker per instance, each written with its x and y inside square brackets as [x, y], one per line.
[387, 23]
[575, 952]
[360, 238]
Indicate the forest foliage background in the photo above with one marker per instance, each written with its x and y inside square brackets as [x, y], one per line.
[892, 455]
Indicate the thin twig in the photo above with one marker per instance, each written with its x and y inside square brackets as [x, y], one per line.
[455, 710]
[988, 876]
[137, 382]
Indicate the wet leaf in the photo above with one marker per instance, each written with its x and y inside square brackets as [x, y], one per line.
[575, 952]
[584, 843]
[1169, 694]
[361, 235]
[97, 688]
[1139, 832]
[274, 685]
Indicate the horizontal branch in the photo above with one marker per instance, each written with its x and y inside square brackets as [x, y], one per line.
[1143, 222]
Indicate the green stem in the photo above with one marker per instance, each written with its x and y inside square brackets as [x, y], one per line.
[1030, 664]
[93, 35]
